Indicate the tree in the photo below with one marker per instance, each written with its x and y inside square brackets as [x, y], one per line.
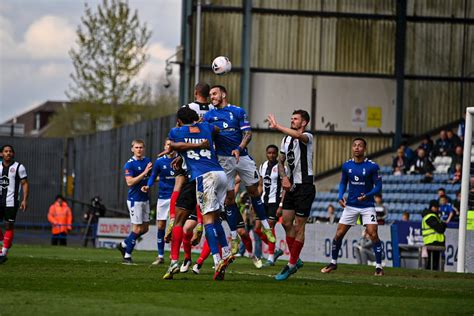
[111, 50]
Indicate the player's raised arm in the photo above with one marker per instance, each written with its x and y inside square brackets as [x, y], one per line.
[182, 146]
[298, 134]
[151, 180]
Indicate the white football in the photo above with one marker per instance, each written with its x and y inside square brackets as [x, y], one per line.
[221, 65]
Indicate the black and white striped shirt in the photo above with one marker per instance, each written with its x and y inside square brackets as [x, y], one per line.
[199, 108]
[10, 184]
[299, 157]
[271, 182]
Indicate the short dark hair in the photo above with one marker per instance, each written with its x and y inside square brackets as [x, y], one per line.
[361, 139]
[8, 145]
[59, 196]
[222, 88]
[202, 89]
[272, 146]
[187, 116]
[304, 114]
[442, 189]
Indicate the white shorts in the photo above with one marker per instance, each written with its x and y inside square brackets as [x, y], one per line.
[351, 214]
[139, 211]
[246, 168]
[162, 209]
[211, 191]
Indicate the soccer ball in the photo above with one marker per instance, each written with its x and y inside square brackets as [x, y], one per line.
[221, 65]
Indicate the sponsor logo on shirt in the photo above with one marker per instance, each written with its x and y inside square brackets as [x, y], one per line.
[4, 182]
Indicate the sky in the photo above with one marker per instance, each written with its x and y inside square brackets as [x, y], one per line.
[36, 35]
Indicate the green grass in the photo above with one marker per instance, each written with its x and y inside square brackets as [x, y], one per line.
[76, 281]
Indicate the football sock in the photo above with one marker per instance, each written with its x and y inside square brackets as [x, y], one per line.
[174, 198]
[211, 236]
[4, 251]
[231, 212]
[336, 246]
[160, 235]
[130, 242]
[204, 253]
[271, 245]
[271, 258]
[221, 237]
[199, 214]
[295, 251]
[187, 244]
[263, 237]
[260, 211]
[8, 238]
[247, 243]
[289, 242]
[378, 252]
[1, 235]
[177, 238]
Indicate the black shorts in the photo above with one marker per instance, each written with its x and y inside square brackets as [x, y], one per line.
[300, 199]
[8, 214]
[271, 210]
[187, 197]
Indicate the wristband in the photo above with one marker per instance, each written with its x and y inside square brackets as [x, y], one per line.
[239, 149]
[280, 205]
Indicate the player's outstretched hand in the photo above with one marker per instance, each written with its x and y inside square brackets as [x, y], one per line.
[342, 202]
[145, 188]
[236, 154]
[272, 123]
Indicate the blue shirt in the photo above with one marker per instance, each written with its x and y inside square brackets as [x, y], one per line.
[163, 169]
[232, 122]
[444, 211]
[133, 168]
[199, 161]
[362, 177]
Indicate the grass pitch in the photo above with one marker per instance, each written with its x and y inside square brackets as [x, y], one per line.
[77, 281]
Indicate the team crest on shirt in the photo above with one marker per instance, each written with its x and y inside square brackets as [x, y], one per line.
[350, 170]
[164, 167]
[363, 171]
[12, 170]
[139, 168]
[4, 182]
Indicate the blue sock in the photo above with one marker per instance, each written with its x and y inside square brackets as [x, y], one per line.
[130, 241]
[336, 246]
[259, 208]
[231, 212]
[211, 236]
[160, 237]
[378, 252]
[220, 234]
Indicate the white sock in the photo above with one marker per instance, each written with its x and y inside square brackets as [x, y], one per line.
[378, 265]
[271, 258]
[291, 265]
[173, 261]
[226, 252]
[333, 261]
[127, 255]
[265, 224]
[160, 256]
[4, 251]
[233, 234]
[124, 245]
[217, 258]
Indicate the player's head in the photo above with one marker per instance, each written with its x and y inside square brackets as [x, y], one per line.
[441, 192]
[167, 145]
[201, 91]
[187, 116]
[272, 152]
[138, 147]
[8, 153]
[359, 145]
[218, 95]
[299, 119]
[59, 198]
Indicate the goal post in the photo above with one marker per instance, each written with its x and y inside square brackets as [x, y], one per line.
[465, 184]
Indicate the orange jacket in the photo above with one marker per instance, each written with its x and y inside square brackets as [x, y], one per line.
[60, 217]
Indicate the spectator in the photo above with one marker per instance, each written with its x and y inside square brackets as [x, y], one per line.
[462, 128]
[443, 146]
[400, 163]
[380, 210]
[423, 166]
[60, 217]
[470, 203]
[409, 153]
[330, 217]
[405, 217]
[442, 193]
[363, 249]
[427, 145]
[453, 139]
[446, 210]
[457, 158]
[432, 229]
[456, 178]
